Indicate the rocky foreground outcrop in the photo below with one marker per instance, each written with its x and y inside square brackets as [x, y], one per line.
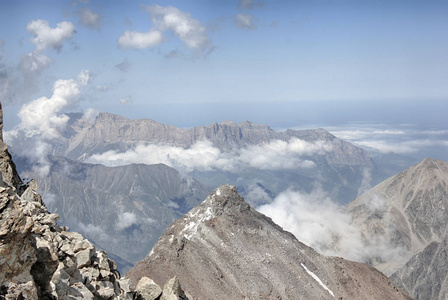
[224, 249]
[41, 260]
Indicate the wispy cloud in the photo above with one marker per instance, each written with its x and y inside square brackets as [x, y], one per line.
[125, 100]
[90, 19]
[140, 40]
[398, 139]
[244, 21]
[125, 220]
[18, 84]
[124, 66]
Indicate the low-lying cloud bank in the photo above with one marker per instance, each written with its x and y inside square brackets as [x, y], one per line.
[204, 156]
[326, 226]
[395, 138]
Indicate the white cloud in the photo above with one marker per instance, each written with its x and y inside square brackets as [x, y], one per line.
[33, 63]
[256, 195]
[31, 66]
[102, 87]
[244, 21]
[188, 29]
[92, 230]
[325, 226]
[90, 19]
[204, 156]
[398, 139]
[46, 37]
[125, 220]
[84, 77]
[43, 120]
[90, 115]
[125, 100]
[280, 154]
[356, 134]
[140, 40]
[182, 24]
[366, 181]
[400, 147]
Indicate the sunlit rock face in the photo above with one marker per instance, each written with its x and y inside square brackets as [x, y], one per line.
[224, 249]
[409, 212]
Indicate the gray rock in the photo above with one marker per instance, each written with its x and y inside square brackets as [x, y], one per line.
[84, 257]
[147, 289]
[410, 211]
[105, 289]
[425, 275]
[217, 248]
[173, 291]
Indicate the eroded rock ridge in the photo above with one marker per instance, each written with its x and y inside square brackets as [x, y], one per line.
[224, 249]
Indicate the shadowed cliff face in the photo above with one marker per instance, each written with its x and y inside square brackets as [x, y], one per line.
[224, 249]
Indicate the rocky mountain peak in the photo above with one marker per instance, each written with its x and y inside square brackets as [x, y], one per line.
[225, 249]
[224, 199]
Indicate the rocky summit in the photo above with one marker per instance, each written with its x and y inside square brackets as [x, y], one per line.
[225, 249]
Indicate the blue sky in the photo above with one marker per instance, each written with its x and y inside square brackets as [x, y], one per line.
[192, 62]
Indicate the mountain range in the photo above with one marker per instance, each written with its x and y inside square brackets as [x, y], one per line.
[243, 154]
[215, 251]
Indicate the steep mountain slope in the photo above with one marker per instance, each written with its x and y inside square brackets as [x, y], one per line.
[425, 275]
[224, 249]
[115, 206]
[410, 207]
[409, 211]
